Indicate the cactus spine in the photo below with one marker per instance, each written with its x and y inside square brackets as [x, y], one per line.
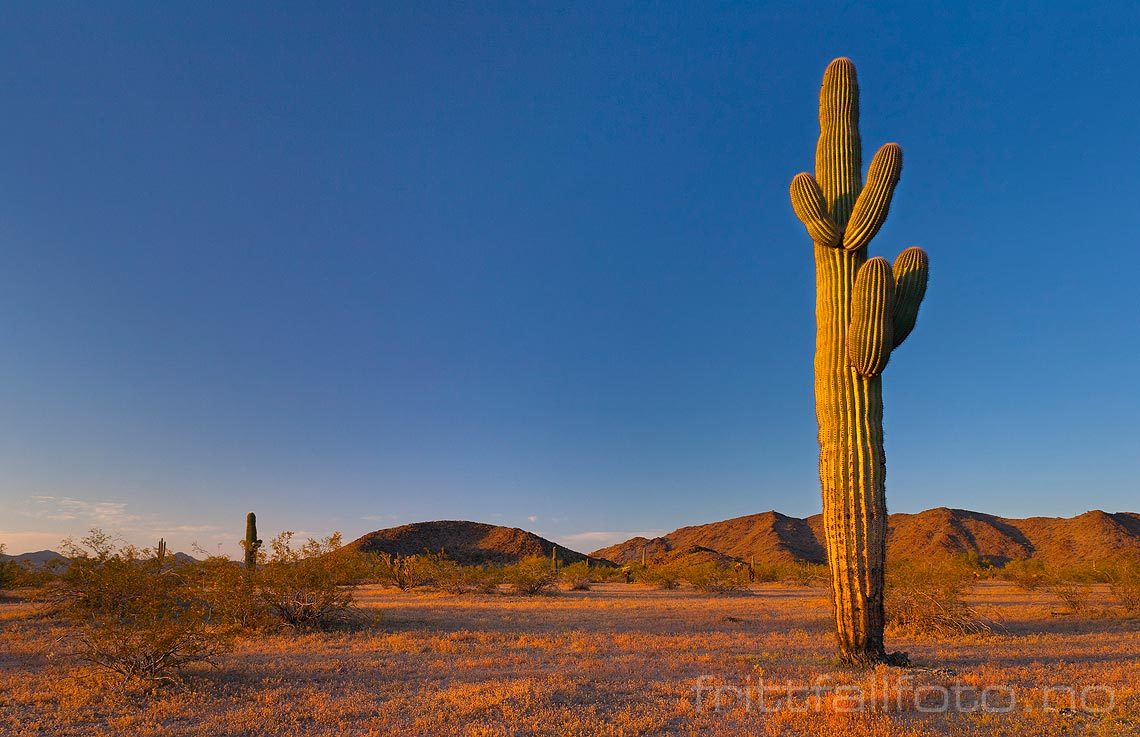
[251, 544]
[864, 309]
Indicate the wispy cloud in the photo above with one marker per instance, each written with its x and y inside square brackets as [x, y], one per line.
[68, 509]
[533, 518]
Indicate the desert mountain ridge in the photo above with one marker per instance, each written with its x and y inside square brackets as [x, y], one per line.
[470, 543]
[768, 538]
[776, 538]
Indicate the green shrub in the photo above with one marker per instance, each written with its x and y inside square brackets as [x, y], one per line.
[926, 598]
[231, 591]
[307, 586]
[530, 576]
[9, 571]
[452, 577]
[716, 578]
[664, 577]
[135, 616]
[1123, 579]
[405, 573]
[577, 576]
[1028, 573]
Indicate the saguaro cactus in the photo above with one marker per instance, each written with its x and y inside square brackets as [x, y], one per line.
[251, 544]
[864, 309]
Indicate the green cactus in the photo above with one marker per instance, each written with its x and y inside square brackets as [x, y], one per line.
[251, 544]
[864, 309]
[160, 551]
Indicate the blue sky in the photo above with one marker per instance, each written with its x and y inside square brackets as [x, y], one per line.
[355, 265]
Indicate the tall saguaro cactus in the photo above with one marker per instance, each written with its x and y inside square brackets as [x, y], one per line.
[251, 543]
[864, 309]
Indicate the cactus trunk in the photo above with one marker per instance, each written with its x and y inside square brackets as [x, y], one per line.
[864, 309]
[852, 464]
[251, 543]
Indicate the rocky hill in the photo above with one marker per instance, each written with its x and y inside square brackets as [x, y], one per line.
[465, 542]
[775, 538]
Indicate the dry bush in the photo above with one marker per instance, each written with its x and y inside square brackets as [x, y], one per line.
[1072, 585]
[530, 576]
[231, 591]
[577, 576]
[806, 574]
[308, 586]
[927, 599]
[1123, 578]
[405, 573]
[716, 578]
[9, 571]
[135, 615]
[450, 576]
[664, 577]
[1028, 574]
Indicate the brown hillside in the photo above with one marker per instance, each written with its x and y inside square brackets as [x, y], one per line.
[770, 536]
[776, 538]
[466, 542]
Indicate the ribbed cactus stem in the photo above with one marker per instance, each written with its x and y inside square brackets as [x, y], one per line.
[864, 309]
[869, 340]
[839, 153]
[251, 544]
[911, 271]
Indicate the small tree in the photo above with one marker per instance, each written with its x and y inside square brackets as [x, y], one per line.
[530, 576]
[306, 586]
[9, 571]
[132, 615]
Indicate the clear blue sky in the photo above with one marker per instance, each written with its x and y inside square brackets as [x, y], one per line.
[358, 265]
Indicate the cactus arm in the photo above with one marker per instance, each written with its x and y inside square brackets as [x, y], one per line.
[811, 208]
[869, 339]
[875, 200]
[911, 271]
[839, 153]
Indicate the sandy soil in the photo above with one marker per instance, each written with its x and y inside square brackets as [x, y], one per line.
[617, 660]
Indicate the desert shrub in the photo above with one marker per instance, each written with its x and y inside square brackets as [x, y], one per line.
[135, 615]
[405, 573]
[1028, 573]
[577, 576]
[664, 577]
[926, 598]
[232, 592]
[1072, 586]
[307, 586]
[716, 578]
[979, 565]
[530, 576]
[9, 572]
[1073, 595]
[1123, 578]
[802, 573]
[448, 575]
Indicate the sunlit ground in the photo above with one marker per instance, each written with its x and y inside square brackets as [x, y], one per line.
[617, 660]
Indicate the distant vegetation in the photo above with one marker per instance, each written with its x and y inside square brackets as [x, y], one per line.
[144, 614]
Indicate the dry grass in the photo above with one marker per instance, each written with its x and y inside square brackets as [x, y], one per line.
[616, 660]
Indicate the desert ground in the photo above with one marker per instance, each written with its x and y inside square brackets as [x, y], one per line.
[616, 660]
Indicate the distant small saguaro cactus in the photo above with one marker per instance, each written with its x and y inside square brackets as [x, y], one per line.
[251, 544]
[160, 551]
[865, 308]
